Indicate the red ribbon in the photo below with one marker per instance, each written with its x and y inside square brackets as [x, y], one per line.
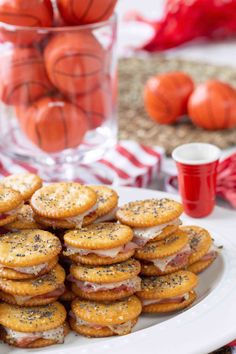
[186, 20]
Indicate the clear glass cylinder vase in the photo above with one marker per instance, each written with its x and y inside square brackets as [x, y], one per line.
[58, 94]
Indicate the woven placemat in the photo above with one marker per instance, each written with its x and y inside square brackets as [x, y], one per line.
[133, 121]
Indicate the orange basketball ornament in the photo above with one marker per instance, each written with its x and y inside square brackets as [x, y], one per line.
[23, 76]
[74, 62]
[54, 124]
[27, 13]
[97, 104]
[78, 12]
[166, 96]
[212, 106]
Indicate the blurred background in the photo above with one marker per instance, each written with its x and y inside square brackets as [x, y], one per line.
[175, 84]
[221, 52]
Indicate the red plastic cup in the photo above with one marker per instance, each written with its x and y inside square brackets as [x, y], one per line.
[197, 171]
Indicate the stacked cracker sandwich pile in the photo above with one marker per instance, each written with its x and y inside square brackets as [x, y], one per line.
[68, 243]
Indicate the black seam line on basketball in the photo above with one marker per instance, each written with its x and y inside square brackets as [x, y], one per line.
[210, 111]
[106, 11]
[36, 126]
[227, 109]
[37, 21]
[11, 93]
[81, 18]
[64, 126]
[176, 82]
[77, 55]
[165, 102]
[27, 62]
[22, 84]
[28, 92]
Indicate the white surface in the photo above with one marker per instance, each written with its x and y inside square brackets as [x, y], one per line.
[221, 52]
[208, 325]
[196, 153]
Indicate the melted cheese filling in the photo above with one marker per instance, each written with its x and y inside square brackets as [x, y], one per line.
[162, 263]
[184, 297]
[56, 334]
[108, 217]
[120, 329]
[21, 300]
[78, 220]
[148, 233]
[28, 270]
[112, 252]
[134, 283]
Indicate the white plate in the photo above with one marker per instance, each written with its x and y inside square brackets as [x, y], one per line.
[206, 326]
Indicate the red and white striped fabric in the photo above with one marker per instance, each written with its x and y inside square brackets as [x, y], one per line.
[128, 164]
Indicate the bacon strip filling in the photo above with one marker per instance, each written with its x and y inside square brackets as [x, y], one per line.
[11, 212]
[120, 329]
[21, 300]
[211, 254]
[179, 259]
[133, 284]
[171, 300]
[35, 270]
[23, 339]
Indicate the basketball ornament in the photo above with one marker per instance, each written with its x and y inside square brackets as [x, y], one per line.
[97, 105]
[86, 11]
[166, 96]
[23, 76]
[26, 13]
[75, 62]
[53, 124]
[212, 105]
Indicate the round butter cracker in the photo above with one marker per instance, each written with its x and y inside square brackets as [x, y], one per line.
[35, 287]
[171, 307]
[108, 273]
[99, 236]
[32, 319]
[28, 248]
[149, 212]
[161, 249]
[200, 242]
[25, 183]
[63, 200]
[107, 313]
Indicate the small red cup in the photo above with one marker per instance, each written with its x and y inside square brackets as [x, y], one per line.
[197, 171]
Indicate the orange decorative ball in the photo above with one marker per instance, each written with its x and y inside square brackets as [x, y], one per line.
[53, 124]
[30, 13]
[86, 11]
[212, 106]
[74, 62]
[97, 105]
[23, 76]
[166, 96]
